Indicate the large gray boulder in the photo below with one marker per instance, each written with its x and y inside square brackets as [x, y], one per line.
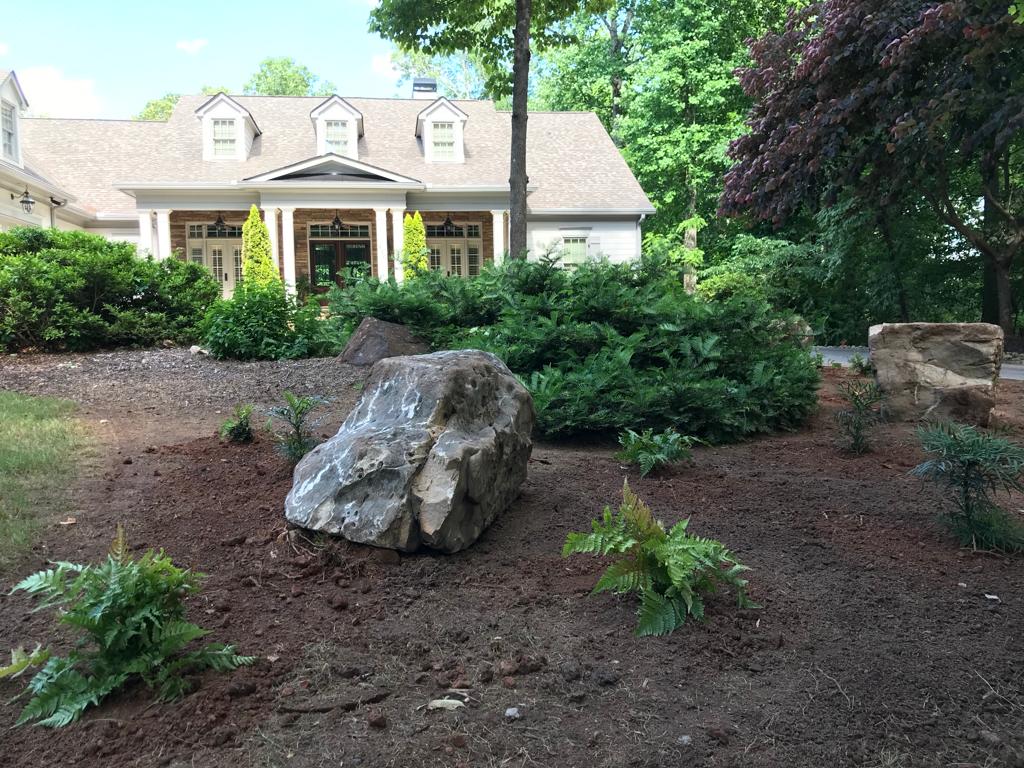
[377, 339]
[940, 370]
[434, 450]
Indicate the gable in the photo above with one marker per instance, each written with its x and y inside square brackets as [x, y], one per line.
[332, 168]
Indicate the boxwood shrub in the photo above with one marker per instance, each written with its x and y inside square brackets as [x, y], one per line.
[77, 291]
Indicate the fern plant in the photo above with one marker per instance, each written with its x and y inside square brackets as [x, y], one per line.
[862, 365]
[855, 422]
[975, 466]
[238, 429]
[296, 439]
[130, 618]
[672, 571]
[652, 450]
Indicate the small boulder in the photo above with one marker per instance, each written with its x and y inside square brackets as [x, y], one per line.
[377, 339]
[937, 370]
[436, 448]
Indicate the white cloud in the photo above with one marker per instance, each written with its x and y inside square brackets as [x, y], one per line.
[51, 94]
[382, 65]
[4, 49]
[192, 47]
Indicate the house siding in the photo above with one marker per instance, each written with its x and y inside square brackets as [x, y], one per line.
[615, 239]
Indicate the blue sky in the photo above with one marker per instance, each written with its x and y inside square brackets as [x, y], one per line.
[106, 59]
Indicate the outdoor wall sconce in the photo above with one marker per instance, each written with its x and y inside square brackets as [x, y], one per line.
[25, 200]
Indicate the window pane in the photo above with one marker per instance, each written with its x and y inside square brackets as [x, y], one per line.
[224, 138]
[336, 137]
[10, 146]
[444, 141]
[456, 256]
[473, 260]
[195, 231]
[472, 230]
[435, 259]
[574, 250]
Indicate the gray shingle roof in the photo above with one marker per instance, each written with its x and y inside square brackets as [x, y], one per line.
[571, 161]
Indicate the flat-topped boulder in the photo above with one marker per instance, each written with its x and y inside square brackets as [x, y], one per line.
[435, 449]
[377, 339]
[937, 370]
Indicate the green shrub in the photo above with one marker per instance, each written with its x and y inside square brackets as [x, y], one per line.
[975, 466]
[77, 291]
[861, 365]
[414, 256]
[855, 422]
[130, 617]
[238, 429]
[672, 571]
[652, 450]
[263, 322]
[257, 264]
[296, 439]
[608, 347]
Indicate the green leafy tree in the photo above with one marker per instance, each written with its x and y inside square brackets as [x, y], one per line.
[459, 75]
[158, 109]
[284, 76]
[497, 31]
[873, 98]
[258, 266]
[415, 255]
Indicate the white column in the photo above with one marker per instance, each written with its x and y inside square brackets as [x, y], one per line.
[398, 236]
[163, 234]
[145, 246]
[270, 219]
[382, 243]
[499, 236]
[288, 247]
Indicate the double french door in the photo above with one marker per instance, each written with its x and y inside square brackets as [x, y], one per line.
[330, 258]
[224, 261]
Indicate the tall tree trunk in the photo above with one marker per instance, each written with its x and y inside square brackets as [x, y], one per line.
[897, 275]
[517, 163]
[989, 290]
[1004, 294]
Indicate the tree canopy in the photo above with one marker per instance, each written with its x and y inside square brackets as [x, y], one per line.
[283, 76]
[881, 99]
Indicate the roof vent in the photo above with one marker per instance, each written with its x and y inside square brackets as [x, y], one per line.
[424, 88]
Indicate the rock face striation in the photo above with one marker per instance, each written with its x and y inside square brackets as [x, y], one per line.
[377, 339]
[940, 370]
[435, 449]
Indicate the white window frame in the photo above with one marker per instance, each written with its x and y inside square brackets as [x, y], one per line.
[224, 141]
[569, 255]
[13, 154]
[443, 150]
[444, 245]
[338, 144]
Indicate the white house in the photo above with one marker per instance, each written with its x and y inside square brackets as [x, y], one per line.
[332, 177]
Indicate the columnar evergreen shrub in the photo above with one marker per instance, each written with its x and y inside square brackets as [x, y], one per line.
[414, 245]
[77, 291]
[257, 263]
[610, 347]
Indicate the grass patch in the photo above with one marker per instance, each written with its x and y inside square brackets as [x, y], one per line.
[38, 444]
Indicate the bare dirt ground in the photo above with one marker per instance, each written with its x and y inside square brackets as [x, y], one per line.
[879, 644]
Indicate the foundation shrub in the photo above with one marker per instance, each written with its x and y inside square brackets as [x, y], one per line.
[76, 291]
[608, 347]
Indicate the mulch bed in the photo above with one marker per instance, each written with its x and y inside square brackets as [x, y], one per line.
[878, 643]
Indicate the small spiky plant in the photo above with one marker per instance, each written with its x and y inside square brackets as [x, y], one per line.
[130, 615]
[672, 571]
[296, 440]
[652, 450]
[855, 423]
[975, 466]
[238, 429]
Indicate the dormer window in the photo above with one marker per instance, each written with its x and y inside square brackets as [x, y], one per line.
[338, 126]
[444, 141]
[336, 137]
[225, 138]
[9, 131]
[229, 130]
[442, 128]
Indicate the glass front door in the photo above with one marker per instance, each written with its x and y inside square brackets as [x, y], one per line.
[329, 260]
